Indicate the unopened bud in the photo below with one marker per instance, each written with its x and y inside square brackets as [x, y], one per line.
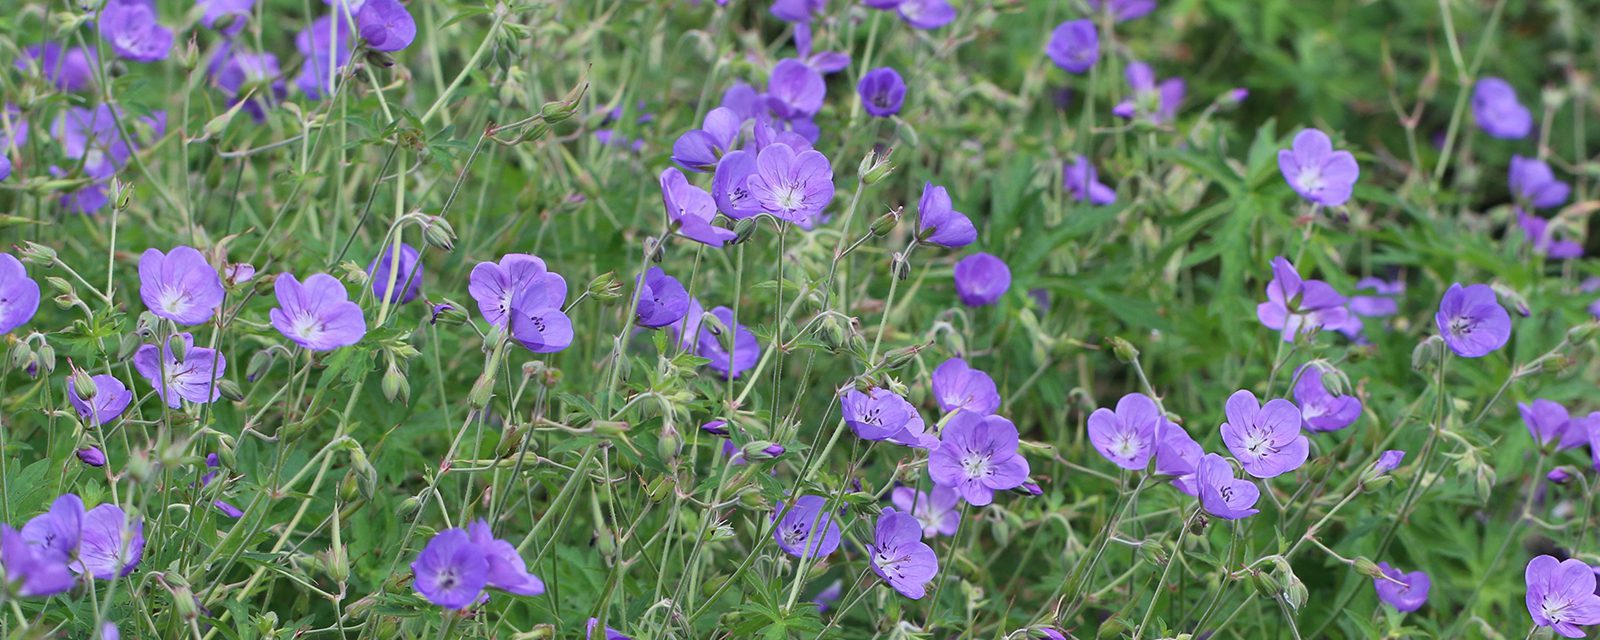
[743, 229]
[439, 234]
[229, 390]
[260, 363]
[885, 223]
[482, 390]
[1365, 566]
[83, 385]
[605, 286]
[380, 58]
[669, 445]
[903, 356]
[553, 112]
[449, 314]
[37, 254]
[716, 428]
[875, 167]
[395, 386]
[1125, 352]
[762, 450]
[1426, 354]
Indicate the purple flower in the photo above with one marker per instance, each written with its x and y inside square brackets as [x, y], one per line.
[1559, 475]
[728, 361]
[981, 279]
[1178, 457]
[1472, 321]
[111, 544]
[1406, 597]
[1535, 185]
[1561, 595]
[662, 299]
[111, 398]
[936, 510]
[1297, 306]
[797, 11]
[318, 314]
[1499, 114]
[213, 463]
[1128, 436]
[5, 166]
[493, 285]
[899, 556]
[386, 25]
[1221, 494]
[326, 41]
[926, 14]
[699, 150]
[19, 294]
[691, 210]
[1157, 103]
[1388, 461]
[880, 414]
[1317, 172]
[1549, 424]
[1082, 181]
[825, 62]
[108, 631]
[792, 186]
[55, 534]
[882, 92]
[408, 282]
[828, 595]
[795, 90]
[744, 101]
[1074, 46]
[960, 387]
[174, 380]
[716, 428]
[30, 571]
[1266, 439]
[13, 129]
[1124, 10]
[92, 456]
[797, 531]
[610, 634]
[1537, 231]
[507, 572]
[978, 456]
[537, 319]
[238, 72]
[179, 286]
[1384, 304]
[730, 185]
[216, 10]
[131, 28]
[68, 69]
[939, 222]
[452, 570]
[1320, 408]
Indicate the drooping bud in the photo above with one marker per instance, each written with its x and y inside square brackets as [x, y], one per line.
[439, 234]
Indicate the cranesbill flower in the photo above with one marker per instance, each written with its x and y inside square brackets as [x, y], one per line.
[179, 286]
[68, 69]
[978, 456]
[1561, 595]
[54, 534]
[111, 545]
[451, 571]
[744, 100]
[251, 77]
[1265, 438]
[805, 529]
[1534, 185]
[325, 44]
[1537, 231]
[1082, 181]
[926, 14]
[1321, 409]
[110, 399]
[1550, 424]
[899, 556]
[493, 285]
[981, 279]
[318, 314]
[960, 387]
[1297, 306]
[1471, 320]
[1074, 45]
[537, 320]
[936, 510]
[407, 282]
[386, 25]
[882, 92]
[92, 456]
[609, 633]
[131, 28]
[691, 210]
[1388, 461]
[1406, 597]
[189, 379]
[792, 186]
[1178, 457]
[716, 428]
[237, 11]
[1221, 494]
[213, 465]
[939, 222]
[506, 571]
[700, 149]
[795, 90]
[881, 414]
[825, 62]
[19, 294]
[29, 571]
[1128, 436]
[1499, 114]
[797, 11]
[729, 361]
[828, 595]
[1157, 103]
[1317, 172]
[1385, 301]
[1124, 10]
[662, 299]
[730, 185]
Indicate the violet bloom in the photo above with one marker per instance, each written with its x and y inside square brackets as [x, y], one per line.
[451, 571]
[1317, 172]
[1537, 231]
[1561, 595]
[690, 210]
[981, 279]
[19, 294]
[729, 361]
[537, 320]
[926, 14]
[111, 545]
[1388, 461]
[662, 299]
[92, 456]
[1471, 320]
[792, 186]
[716, 428]
[1265, 438]
[1178, 457]
[386, 25]
[936, 510]
[174, 380]
[213, 464]
[1296, 306]
[730, 185]
[1534, 185]
[250, 77]
[700, 149]
[1081, 180]
[507, 572]
[797, 11]
[609, 633]
[938, 221]
[111, 398]
[235, 10]
[324, 43]
[408, 282]
[960, 387]
[1221, 494]
[179, 286]
[1385, 301]
[1320, 409]
[1124, 10]
[978, 456]
[493, 285]
[1074, 46]
[67, 69]
[880, 414]
[318, 314]
[1127, 437]
[1406, 597]
[28, 571]
[795, 90]
[1499, 114]
[882, 92]
[1550, 424]
[1155, 102]
[131, 28]
[55, 534]
[899, 556]
[805, 530]
[825, 62]
[828, 595]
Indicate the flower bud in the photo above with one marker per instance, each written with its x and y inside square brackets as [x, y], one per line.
[743, 229]
[885, 223]
[395, 386]
[229, 390]
[669, 445]
[553, 112]
[92, 456]
[1151, 551]
[46, 359]
[260, 363]
[482, 390]
[716, 428]
[1029, 489]
[1125, 352]
[659, 488]
[605, 286]
[37, 254]
[1365, 566]
[408, 508]
[1512, 298]
[903, 356]
[875, 166]
[762, 450]
[128, 345]
[83, 384]
[1560, 475]
[1426, 354]
[609, 427]
[1583, 333]
[449, 313]
[21, 355]
[439, 234]
[380, 58]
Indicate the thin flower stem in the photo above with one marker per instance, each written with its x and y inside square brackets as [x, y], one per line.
[1177, 555]
[850, 604]
[948, 571]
